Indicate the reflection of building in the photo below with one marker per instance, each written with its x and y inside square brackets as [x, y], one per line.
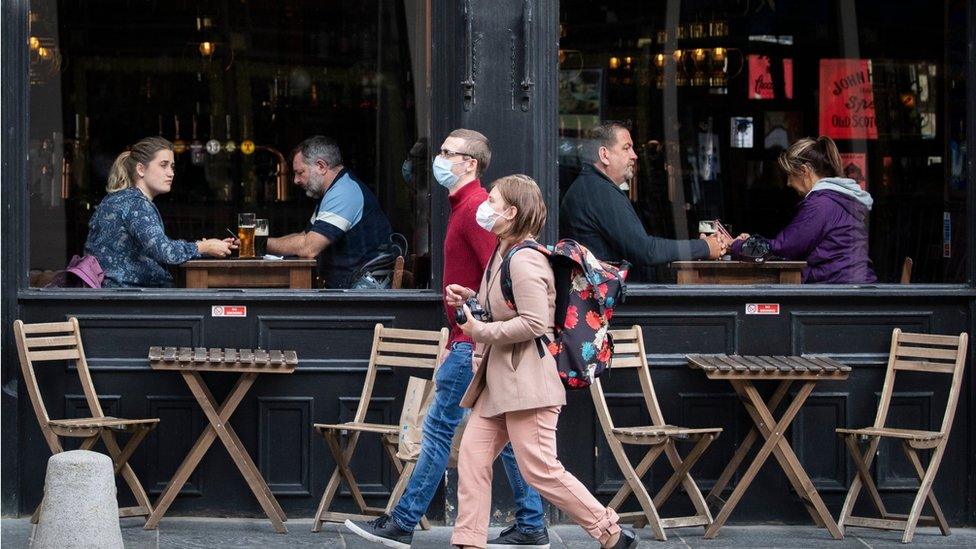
[391, 75]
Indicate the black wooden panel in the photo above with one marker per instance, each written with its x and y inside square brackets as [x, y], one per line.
[121, 342]
[908, 410]
[670, 335]
[332, 343]
[853, 337]
[627, 410]
[284, 426]
[370, 465]
[711, 410]
[180, 423]
[821, 452]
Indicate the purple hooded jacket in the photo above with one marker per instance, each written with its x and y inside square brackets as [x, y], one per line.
[829, 233]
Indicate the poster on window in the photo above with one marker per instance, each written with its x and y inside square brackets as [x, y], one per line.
[856, 168]
[847, 99]
[761, 82]
[742, 132]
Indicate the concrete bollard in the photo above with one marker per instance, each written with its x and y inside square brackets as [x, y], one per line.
[80, 508]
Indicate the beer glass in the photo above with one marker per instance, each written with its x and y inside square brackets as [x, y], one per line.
[245, 233]
[260, 237]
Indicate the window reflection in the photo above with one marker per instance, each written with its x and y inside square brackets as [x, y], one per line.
[713, 92]
[234, 87]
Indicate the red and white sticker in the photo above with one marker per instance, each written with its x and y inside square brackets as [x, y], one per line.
[229, 310]
[762, 308]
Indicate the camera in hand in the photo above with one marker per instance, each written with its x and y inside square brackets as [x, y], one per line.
[476, 311]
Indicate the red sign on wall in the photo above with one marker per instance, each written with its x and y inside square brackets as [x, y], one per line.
[228, 310]
[847, 99]
[761, 85]
[856, 167]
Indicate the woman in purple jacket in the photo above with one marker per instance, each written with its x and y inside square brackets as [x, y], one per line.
[829, 231]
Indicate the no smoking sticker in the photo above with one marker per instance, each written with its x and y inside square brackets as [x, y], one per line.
[228, 310]
[762, 308]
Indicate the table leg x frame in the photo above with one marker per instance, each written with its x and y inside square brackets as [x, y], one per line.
[773, 432]
[220, 428]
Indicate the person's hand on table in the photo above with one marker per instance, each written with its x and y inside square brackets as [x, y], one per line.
[716, 245]
[455, 295]
[216, 248]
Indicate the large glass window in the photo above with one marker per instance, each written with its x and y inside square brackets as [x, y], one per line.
[235, 86]
[714, 91]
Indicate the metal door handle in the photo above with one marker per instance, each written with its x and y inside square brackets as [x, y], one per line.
[467, 85]
[527, 53]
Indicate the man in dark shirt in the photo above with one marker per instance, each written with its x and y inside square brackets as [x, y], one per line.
[597, 214]
[347, 228]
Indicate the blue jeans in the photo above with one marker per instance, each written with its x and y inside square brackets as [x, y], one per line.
[443, 418]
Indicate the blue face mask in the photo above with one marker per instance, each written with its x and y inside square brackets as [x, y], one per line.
[442, 172]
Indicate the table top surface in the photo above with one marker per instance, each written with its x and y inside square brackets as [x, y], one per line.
[240, 263]
[769, 367]
[722, 264]
[222, 360]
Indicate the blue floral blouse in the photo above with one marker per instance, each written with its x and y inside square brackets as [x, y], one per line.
[127, 237]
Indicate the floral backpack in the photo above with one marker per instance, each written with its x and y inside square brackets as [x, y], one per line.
[587, 290]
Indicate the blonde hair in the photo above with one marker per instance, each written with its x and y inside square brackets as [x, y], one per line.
[123, 172]
[521, 191]
[820, 155]
[476, 146]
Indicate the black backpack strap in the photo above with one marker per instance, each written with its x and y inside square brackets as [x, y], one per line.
[506, 284]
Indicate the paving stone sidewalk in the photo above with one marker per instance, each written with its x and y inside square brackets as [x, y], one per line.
[209, 533]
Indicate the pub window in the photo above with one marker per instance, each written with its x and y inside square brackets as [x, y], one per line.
[714, 91]
[234, 86]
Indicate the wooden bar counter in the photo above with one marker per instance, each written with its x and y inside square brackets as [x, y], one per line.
[739, 272]
[249, 273]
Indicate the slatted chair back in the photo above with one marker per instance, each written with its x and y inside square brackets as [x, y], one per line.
[930, 354]
[400, 348]
[628, 354]
[53, 342]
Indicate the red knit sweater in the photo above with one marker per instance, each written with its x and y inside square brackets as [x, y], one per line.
[467, 247]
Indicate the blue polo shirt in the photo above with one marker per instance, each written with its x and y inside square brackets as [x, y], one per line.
[350, 217]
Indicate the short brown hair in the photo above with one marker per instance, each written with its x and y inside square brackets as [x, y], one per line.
[521, 191]
[820, 154]
[477, 146]
[603, 134]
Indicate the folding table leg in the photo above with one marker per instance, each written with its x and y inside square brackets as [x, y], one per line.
[788, 461]
[241, 459]
[715, 494]
[198, 450]
[255, 472]
[920, 471]
[775, 435]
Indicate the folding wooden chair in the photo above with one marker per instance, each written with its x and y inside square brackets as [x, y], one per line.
[661, 437]
[392, 348]
[931, 354]
[59, 341]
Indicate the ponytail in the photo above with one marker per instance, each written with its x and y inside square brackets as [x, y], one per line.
[118, 176]
[123, 172]
[820, 155]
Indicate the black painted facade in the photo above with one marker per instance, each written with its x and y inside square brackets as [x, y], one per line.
[493, 67]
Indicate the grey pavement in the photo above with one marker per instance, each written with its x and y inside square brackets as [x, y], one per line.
[192, 533]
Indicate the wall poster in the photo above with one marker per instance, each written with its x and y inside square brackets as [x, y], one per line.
[847, 99]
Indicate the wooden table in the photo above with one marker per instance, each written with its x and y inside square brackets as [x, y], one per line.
[189, 363]
[739, 272]
[742, 372]
[249, 273]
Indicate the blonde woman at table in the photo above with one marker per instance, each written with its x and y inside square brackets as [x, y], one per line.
[126, 232]
[516, 395]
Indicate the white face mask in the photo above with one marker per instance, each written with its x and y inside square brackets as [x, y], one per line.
[486, 216]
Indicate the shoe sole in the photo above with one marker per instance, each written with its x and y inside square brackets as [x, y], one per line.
[515, 546]
[374, 538]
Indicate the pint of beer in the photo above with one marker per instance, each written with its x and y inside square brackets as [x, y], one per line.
[245, 233]
[261, 237]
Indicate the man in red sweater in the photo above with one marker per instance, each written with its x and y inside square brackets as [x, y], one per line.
[462, 159]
